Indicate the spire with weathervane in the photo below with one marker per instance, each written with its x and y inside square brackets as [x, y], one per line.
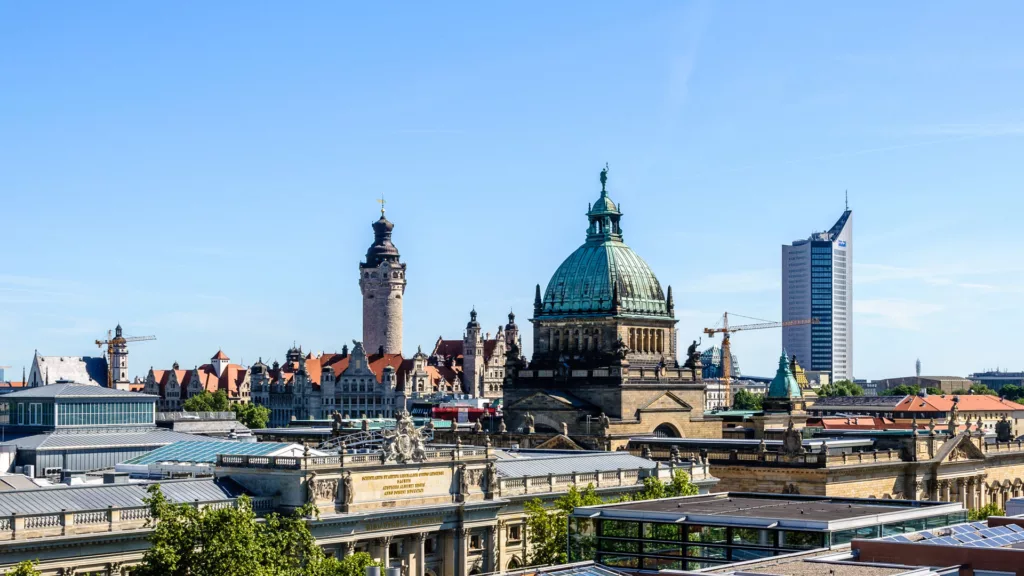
[604, 215]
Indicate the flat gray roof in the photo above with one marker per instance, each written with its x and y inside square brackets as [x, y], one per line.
[99, 497]
[101, 438]
[766, 510]
[77, 391]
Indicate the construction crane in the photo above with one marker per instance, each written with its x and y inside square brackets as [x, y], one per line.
[114, 340]
[726, 330]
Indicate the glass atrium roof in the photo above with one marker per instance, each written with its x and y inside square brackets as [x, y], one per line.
[206, 451]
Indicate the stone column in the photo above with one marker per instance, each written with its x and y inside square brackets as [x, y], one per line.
[384, 544]
[446, 545]
[421, 555]
[461, 551]
[490, 550]
[961, 491]
[943, 490]
[969, 501]
[498, 546]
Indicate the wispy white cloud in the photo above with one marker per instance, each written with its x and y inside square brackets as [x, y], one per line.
[894, 313]
[735, 282]
[972, 130]
[953, 275]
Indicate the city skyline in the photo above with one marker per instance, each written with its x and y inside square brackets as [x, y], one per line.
[190, 175]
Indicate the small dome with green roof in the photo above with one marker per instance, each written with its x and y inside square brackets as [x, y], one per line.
[784, 385]
[604, 276]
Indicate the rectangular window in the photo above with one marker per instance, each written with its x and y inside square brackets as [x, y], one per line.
[609, 545]
[707, 534]
[802, 540]
[661, 531]
[21, 412]
[620, 529]
[750, 536]
[35, 412]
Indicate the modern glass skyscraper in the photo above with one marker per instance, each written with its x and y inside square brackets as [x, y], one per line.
[817, 282]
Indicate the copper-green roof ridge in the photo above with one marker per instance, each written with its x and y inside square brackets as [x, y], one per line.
[784, 385]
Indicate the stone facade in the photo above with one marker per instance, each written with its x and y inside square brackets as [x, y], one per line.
[382, 284]
[313, 387]
[604, 348]
[447, 515]
[475, 365]
[929, 466]
[175, 386]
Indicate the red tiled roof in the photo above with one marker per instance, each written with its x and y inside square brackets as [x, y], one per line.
[489, 346]
[220, 355]
[452, 348]
[858, 423]
[944, 402]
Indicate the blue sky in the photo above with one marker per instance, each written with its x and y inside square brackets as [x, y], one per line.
[207, 172]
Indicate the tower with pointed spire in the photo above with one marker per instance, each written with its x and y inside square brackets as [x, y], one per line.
[473, 357]
[382, 283]
[119, 360]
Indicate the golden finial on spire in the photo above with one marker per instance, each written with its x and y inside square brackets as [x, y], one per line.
[382, 202]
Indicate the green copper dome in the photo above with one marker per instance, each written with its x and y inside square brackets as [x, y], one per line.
[784, 385]
[604, 276]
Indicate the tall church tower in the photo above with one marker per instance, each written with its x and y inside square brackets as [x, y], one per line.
[473, 357]
[119, 360]
[382, 283]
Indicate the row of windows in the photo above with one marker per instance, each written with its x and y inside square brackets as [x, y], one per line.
[105, 413]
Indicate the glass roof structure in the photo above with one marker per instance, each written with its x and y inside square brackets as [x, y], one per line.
[206, 451]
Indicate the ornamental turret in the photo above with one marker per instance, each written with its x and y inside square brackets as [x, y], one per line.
[382, 283]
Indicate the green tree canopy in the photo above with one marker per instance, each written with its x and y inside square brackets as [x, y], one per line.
[207, 402]
[747, 400]
[26, 568]
[252, 415]
[188, 541]
[840, 388]
[1012, 392]
[978, 514]
[548, 528]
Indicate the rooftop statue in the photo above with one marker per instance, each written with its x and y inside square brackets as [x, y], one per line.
[405, 443]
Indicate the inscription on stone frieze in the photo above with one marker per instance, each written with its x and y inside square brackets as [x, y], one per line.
[404, 484]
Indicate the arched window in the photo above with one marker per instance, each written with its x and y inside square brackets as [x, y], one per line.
[665, 431]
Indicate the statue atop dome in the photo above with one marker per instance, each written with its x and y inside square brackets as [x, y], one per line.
[604, 177]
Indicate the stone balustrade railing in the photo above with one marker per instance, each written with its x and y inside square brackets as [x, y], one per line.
[561, 482]
[806, 460]
[1017, 446]
[342, 461]
[548, 483]
[64, 523]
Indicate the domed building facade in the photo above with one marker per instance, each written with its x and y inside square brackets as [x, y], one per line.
[605, 357]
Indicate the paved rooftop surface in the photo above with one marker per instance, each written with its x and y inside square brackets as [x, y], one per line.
[765, 508]
[518, 464]
[804, 566]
